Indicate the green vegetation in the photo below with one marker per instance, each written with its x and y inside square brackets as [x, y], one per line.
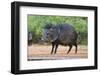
[37, 22]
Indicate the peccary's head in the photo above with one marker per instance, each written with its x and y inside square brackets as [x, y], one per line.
[50, 33]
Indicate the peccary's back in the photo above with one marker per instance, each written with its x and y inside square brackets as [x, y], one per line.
[67, 34]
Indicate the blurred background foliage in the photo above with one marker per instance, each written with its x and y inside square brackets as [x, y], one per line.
[37, 22]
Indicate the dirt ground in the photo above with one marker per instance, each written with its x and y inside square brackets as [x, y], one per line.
[42, 52]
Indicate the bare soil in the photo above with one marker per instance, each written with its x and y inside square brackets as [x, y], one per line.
[43, 52]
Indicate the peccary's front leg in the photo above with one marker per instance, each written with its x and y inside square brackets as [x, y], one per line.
[56, 48]
[53, 44]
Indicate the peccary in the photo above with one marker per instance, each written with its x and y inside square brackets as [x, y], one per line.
[30, 38]
[63, 34]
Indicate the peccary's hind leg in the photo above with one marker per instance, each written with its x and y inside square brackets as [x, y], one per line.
[56, 48]
[70, 47]
[76, 48]
[52, 47]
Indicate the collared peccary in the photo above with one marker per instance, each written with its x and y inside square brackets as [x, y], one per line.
[63, 34]
[30, 38]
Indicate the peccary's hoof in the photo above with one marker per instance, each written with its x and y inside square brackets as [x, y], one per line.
[51, 53]
[54, 53]
[75, 52]
[67, 52]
